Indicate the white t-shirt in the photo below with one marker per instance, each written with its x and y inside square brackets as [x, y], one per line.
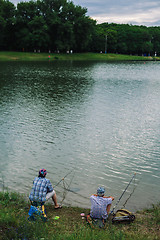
[99, 206]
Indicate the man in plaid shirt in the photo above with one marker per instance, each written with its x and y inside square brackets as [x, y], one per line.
[42, 190]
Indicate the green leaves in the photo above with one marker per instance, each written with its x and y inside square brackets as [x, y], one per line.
[52, 25]
[127, 39]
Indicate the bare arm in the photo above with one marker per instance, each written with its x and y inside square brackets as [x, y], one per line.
[109, 197]
[104, 196]
[108, 208]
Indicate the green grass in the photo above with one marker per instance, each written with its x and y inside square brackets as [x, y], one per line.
[14, 223]
[26, 56]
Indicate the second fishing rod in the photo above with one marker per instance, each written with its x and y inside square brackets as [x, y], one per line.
[112, 212]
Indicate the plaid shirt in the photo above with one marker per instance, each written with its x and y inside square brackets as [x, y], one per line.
[41, 186]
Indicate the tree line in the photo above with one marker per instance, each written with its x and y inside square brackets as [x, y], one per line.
[60, 26]
[128, 39]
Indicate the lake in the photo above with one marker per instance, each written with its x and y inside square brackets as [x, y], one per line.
[96, 122]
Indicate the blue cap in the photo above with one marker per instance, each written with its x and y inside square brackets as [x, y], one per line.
[100, 191]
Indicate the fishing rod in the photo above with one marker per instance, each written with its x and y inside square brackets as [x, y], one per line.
[68, 185]
[123, 193]
[63, 178]
[66, 189]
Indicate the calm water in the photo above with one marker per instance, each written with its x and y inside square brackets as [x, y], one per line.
[101, 120]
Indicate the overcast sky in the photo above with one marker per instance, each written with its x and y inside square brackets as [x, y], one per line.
[136, 12]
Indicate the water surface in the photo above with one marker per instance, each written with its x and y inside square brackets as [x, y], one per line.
[99, 119]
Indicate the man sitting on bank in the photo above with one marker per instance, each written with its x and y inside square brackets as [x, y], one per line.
[100, 205]
[41, 191]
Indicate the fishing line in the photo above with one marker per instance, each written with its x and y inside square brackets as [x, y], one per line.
[63, 178]
[64, 194]
[69, 190]
[66, 188]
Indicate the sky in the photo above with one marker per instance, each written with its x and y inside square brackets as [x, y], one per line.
[135, 12]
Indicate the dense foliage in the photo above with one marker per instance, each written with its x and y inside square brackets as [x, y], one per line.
[59, 25]
[55, 25]
[127, 39]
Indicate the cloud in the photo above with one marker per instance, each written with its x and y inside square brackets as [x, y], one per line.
[150, 17]
[141, 12]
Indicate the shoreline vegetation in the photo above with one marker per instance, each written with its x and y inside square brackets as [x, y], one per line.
[28, 56]
[69, 225]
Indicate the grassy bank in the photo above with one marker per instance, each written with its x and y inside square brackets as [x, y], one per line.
[15, 225]
[24, 56]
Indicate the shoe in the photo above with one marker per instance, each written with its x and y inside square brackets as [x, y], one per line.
[59, 207]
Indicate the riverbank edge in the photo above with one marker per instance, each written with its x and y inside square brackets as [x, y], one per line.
[27, 56]
[67, 223]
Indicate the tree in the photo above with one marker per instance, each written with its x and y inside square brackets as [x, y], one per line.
[83, 29]
[122, 42]
[111, 40]
[127, 39]
[7, 21]
[39, 38]
[147, 47]
[26, 12]
[68, 25]
[155, 33]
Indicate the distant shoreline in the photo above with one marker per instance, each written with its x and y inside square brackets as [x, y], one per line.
[28, 56]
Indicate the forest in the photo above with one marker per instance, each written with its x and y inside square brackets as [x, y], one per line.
[62, 26]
